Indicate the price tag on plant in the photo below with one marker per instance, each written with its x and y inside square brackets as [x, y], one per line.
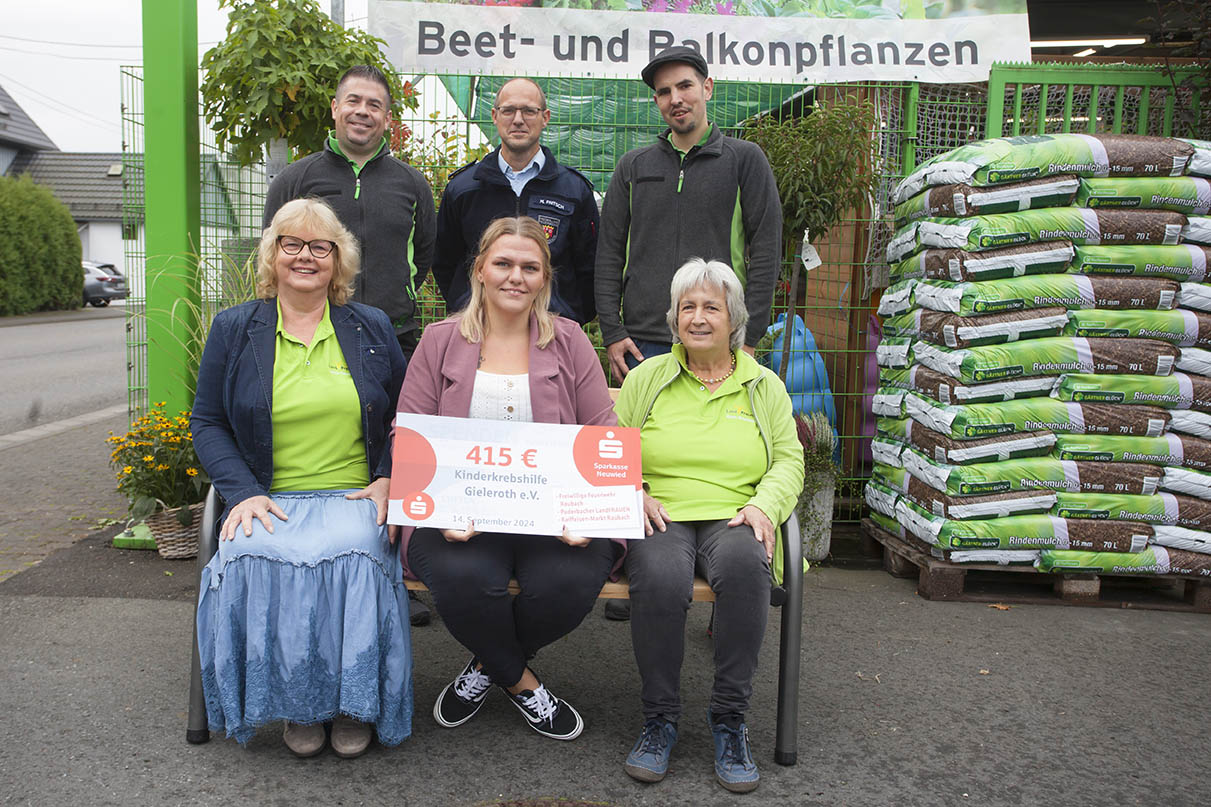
[516, 477]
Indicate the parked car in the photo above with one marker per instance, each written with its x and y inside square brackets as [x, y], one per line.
[102, 283]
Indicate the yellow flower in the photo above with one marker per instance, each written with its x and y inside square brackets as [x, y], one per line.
[161, 467]
[148, 458]
[128, 470]
[191, 471]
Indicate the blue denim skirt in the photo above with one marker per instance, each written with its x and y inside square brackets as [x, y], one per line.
[307, 622]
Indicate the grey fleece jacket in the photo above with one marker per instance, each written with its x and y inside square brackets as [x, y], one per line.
[387, 205]
[719, 203]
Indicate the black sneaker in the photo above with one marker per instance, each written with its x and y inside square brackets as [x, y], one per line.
[462, 697]
[418, 613]
[547, 714]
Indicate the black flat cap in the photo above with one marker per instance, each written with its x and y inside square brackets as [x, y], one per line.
[682, 54]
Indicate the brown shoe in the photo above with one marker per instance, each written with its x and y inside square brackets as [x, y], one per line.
[350, 738]
[304, 741]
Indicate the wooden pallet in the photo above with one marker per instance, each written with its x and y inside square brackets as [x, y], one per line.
[976, 582]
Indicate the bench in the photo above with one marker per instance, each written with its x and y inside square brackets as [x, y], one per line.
[789, 596]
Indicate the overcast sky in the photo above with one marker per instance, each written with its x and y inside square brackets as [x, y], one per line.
[61, 60]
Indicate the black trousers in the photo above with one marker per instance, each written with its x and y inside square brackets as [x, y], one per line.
[469, 582]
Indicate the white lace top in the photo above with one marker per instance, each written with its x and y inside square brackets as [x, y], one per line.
[501, 397]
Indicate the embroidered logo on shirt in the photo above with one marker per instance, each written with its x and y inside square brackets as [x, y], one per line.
[739, 413]
[550, 226]
[338, 368]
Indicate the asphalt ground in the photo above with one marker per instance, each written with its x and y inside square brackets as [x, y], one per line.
[903, 701]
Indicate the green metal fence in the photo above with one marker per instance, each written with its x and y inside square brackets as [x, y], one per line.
[594, 122]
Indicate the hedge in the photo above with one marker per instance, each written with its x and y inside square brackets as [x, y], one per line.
[39, 250]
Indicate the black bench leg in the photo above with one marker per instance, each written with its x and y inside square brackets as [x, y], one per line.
[786, 744]
[198, 731]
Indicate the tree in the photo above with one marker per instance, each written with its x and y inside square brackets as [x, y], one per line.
[273, 75]
[39, 250]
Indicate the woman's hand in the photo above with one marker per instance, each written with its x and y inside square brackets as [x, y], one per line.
[258, 507]
[376, 492]
[654, 515]
[458, 536]
[571, 539]
[763, 528]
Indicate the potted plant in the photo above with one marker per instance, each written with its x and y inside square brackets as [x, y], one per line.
[271, 79]
[158, 471]
[815, 508]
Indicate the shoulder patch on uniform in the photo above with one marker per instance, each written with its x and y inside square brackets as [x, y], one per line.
[453, 174]
[587, 181]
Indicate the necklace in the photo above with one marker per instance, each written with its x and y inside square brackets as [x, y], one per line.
[724, 377]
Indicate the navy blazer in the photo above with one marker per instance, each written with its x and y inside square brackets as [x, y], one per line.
[232, 413]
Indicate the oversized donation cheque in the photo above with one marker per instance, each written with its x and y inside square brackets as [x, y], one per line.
[533, 478]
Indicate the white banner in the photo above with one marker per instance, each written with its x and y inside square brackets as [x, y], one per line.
[504, 40]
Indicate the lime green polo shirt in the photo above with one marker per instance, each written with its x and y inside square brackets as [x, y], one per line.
[702, 451]
[317, 416]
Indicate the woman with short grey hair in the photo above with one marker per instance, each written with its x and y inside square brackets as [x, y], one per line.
[721, 466]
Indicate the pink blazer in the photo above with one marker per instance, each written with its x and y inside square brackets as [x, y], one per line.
[567, 384]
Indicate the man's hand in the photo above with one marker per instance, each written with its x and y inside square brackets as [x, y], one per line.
[617, 352]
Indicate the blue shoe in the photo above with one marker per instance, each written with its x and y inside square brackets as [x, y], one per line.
[734, 766]
[649, 758]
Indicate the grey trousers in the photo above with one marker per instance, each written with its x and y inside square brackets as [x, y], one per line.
[661, 574]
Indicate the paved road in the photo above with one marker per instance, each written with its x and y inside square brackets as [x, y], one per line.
[60, 364]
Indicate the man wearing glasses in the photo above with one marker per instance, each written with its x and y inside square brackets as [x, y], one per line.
[387, 204]
[521, 178]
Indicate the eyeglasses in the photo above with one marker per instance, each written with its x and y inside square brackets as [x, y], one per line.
[527, 112]
[319, 247]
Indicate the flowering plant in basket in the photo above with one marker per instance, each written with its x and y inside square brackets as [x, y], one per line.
[156, 466]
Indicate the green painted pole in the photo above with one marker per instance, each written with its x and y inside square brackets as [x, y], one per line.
[171, 197]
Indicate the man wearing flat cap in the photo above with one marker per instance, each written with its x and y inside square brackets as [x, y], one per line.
[692, 193]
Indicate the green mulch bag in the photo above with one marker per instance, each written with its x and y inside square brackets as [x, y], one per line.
[907, 324]
[1190, 421]
[1079, 225]
[894, 352]
[1200, 161]
[894, 428]
[881, 498]
[991, 505]
[1169, 449]
[1034, 473]
[1194, 360]
[947, 390]
[886, 475]
[897, 298]
[1049, 356]
[970, 421]
[1189, 540]
[1159, 508]
[1196, 296]
[1197, 229]
[888, 402]
[1175, 480]
[888, 524]
[947, 450]
[953, 330]
[1068, 291]
[886, 450]
[1174, 391]
[965, 200]
[1045, 257]
[1152, 560]
[1188, 195]
[1183, 262]
[1181, 327]
[1022, 532]
[1013, 159]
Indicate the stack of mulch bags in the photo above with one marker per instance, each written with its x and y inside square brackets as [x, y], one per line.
[1045, 376]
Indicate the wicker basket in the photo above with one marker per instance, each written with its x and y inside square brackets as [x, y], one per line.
[174, 540]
